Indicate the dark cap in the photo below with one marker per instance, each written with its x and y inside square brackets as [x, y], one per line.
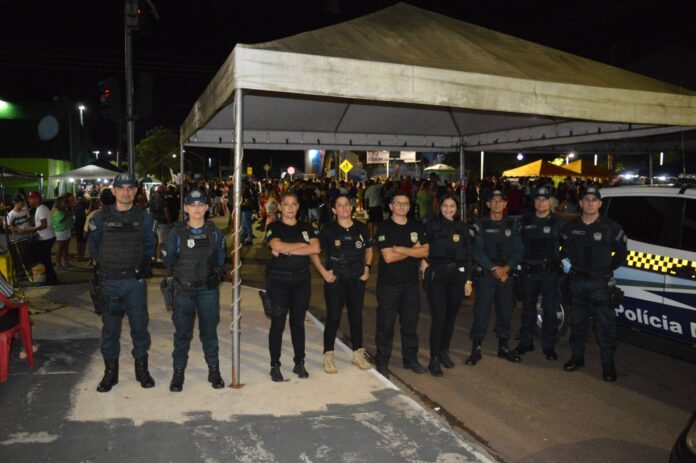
[542, 192]
[590, 191]
[496, 193]
[124, 179]
[195, 196]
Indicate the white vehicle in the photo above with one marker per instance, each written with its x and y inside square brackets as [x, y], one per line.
[659, 278]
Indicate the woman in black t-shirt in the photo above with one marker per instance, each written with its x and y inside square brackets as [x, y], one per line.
[288, 282]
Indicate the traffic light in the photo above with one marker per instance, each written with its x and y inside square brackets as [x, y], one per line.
[110, 99]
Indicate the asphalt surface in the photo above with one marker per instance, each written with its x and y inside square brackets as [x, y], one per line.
[534, 411]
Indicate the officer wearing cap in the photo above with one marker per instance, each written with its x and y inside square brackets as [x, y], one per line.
[122, 244]
[446, 278]
[497, 249]
[540, 273]
[194, 253]
[348, 250]
[593, 246]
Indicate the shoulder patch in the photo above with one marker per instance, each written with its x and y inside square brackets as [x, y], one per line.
[381, 238]
[269, 232]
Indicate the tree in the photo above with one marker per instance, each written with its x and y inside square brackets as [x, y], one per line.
[153, 154]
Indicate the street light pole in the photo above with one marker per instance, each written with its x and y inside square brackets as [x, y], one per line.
[131, 17]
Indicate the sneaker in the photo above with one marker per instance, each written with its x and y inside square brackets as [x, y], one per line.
[360, 359]
[329, 365]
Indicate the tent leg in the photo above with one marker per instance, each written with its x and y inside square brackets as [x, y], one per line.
[650, 167]
[236, 277]
[181, 182]
[482, 161]
[462, 183]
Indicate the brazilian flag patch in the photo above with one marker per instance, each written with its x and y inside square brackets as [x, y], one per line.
[381, 238]
[270, 232]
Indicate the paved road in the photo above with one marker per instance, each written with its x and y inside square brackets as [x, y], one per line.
[534, 411]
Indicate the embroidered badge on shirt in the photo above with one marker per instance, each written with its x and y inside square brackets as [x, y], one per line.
[508, 233]
[547, 229]
[597, 236]
[337, 243]
[455, 238]
[414, 237]
[358, 244]
[191, 242]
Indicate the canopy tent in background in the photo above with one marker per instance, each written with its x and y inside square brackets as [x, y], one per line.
[99, 173]
[539, 168]
[441, 168]
[404, 78]
[7, 173]
[585, 168]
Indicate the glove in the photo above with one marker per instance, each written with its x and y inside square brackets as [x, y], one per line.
[216, 276]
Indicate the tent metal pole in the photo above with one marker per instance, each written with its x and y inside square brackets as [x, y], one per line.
[650, 167]
[181, 182]
[482, 160]
[236, 277]
[462, 182]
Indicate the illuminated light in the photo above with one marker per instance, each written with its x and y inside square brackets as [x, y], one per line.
[98, 179]
[81, 107]
[106, 180]
[520, 156]
[595, 159]
[313, 154]
[174, 155]
[7, 110]
[95, 152]
[661, 178]
[4, 105]
[109, 153]
[571, 155]
[291, 170]
[72, 180]
[662, 157]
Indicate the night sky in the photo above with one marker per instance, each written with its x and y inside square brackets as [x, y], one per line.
[63, 48]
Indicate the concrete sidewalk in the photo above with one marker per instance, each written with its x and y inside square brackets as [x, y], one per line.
[53, 413]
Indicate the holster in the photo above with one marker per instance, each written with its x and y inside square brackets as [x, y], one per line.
[428, 276]
[616, 296]
[167, 289]
[113, 305]
[94, 287]
[269, 308]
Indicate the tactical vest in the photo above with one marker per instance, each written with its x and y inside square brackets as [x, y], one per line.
[592, 246]
[540, 238]
[346, 253]
[449, 238]
[121, 247]
[497, 239]
[196, 253]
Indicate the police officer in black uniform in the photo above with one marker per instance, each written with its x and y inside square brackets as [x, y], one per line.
[447, 279]
[497, 250]
[348, 249]
[122, 244]
[399, 241]
[194, 253]
[288, 281]
[594, 246]
[540, 273]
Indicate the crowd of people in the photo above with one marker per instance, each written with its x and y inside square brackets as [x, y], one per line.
[414, 225]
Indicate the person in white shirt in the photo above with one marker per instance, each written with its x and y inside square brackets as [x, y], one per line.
[46, 237]
[18, 219]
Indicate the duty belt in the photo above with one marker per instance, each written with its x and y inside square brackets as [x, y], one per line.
[446, 266]
[120, 275]
[192, 284]
[542, 267]
[287, 274]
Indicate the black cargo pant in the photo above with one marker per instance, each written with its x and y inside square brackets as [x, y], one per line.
[348, 292]
[404, 301]
[546, 284]
[445, 295]
[590, 298]
[288, 296]
[489, 290]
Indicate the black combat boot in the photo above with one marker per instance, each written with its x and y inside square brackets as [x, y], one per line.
[522, 349]
[574, 363]
[434, 366]
[300, 370]
[445, 359]
[214, 377]
[550, 354]
[609, 372]
[383, 369]
[110, 376]
[505, 352]
[177, 383]
[275, 373]
[475, 355]
[142, 374]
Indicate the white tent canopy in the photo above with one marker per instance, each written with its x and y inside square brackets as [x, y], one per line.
[90, 172]
[408, 78]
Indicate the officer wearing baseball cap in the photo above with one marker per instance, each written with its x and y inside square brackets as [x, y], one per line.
[194, 254]
[540, 274]
[122, 243]
[593, 246]
[497, 249]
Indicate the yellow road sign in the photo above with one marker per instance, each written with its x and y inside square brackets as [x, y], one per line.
[250, 171]
[345, 166]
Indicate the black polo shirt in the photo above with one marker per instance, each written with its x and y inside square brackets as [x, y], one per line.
[301, 232]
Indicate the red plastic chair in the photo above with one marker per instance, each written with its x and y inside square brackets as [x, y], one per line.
[23, 327]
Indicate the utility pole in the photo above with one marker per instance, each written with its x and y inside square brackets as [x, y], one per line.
[130, 23]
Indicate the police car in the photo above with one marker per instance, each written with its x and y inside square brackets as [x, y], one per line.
[659, 277]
